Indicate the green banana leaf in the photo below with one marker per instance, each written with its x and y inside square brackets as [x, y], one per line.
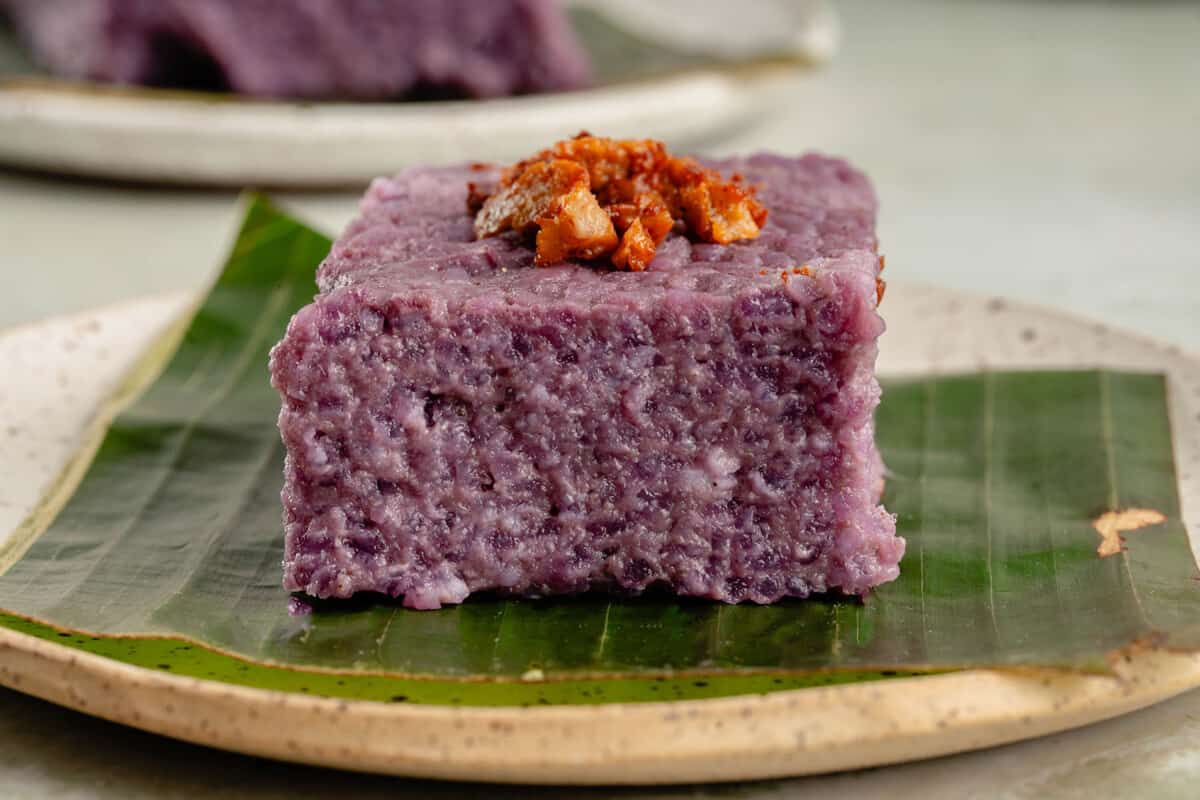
[167, 553]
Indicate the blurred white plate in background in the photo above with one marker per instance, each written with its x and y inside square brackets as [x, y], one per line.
[685, 83]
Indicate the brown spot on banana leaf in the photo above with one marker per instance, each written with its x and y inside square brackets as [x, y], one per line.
[1111, 524]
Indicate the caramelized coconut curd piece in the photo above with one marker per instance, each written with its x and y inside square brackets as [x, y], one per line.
[592, 197]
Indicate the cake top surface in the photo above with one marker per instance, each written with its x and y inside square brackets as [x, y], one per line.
[414, 233]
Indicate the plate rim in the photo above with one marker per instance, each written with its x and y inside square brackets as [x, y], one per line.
[717, 739]
[82, 129]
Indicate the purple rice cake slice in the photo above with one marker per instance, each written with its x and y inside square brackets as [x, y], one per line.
[457, 419]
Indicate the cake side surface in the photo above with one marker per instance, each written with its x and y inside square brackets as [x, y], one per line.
[457, 420]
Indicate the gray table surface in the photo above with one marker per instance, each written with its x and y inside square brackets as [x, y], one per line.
[1038, 150]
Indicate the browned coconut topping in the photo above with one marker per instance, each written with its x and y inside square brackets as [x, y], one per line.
[592, 197]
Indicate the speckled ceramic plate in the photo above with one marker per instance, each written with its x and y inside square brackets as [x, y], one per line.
[67, 366]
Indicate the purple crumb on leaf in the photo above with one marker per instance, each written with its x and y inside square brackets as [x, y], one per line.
[299, 608]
